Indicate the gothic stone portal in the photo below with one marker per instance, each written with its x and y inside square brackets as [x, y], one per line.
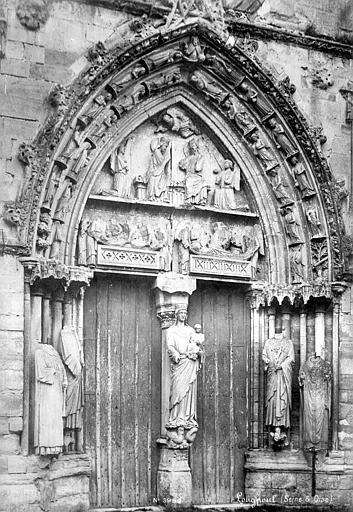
[123, 383]
[168, 199]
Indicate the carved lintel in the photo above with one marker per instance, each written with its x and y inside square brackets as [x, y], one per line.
[42, 269]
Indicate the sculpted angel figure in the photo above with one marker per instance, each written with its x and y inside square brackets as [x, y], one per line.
[252, 97]
[227, 181]
[301, 179]
[185, 349]
[262, 152]
[159, 168]
[119, 167]
[209, 87]
[196, 188]
[280, 137]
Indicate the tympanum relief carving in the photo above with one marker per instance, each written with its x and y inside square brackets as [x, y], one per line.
[170, 161]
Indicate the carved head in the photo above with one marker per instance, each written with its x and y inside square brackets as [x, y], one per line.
[197, 328]
[227, 164]
[193, 146]
[163, 144]
[181, 315]
[294, 160]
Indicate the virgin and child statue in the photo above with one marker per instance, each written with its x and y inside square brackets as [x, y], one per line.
[185, 350]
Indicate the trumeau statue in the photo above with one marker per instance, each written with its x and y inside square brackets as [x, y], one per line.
[315, 380]
[185, 349]
[158, 173]
[72, 355]
[278, 356]
[49, 401]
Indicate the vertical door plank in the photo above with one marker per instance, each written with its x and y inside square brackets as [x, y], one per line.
[223, 432]
[89, 346]
[116, 315]
[196, 453]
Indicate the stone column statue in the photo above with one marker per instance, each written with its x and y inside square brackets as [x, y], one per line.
[278, 356]
[72, 354]
[315, 380]
[49, 401]
[185, 350]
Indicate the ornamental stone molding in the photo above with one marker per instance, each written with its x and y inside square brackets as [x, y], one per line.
[251, 116]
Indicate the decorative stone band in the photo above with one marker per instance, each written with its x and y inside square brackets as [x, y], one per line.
[41, 269]
[128, 258]
[225, 267]
[295, 293]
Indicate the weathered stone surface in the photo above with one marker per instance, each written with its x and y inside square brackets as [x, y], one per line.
[16, 425]
[11, 403]
[283, 481]
[68, 486]
[16, 464]
[9, 443]
[11, 380]
[258, 479]
[14, 67]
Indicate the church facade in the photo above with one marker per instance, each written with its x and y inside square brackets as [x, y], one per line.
[177, 254]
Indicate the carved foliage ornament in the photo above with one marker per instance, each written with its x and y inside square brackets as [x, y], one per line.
[50, 137]
[33, 13]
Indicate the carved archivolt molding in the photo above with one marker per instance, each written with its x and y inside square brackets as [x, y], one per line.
[251, 115]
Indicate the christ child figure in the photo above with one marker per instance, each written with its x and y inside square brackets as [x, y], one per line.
[196, 342]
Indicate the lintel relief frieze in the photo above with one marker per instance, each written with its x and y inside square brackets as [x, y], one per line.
[179, 163]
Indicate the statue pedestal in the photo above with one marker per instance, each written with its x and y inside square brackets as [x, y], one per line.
[174, 486]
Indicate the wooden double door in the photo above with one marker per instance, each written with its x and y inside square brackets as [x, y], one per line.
[122, 344]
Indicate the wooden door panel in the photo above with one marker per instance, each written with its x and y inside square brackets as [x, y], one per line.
[122, 351]
[218, 451]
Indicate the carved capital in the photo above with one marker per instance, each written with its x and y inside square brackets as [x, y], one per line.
[166, 317]
[56, 272]
[256, 297]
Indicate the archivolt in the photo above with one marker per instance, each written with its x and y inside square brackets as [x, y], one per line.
[131, 85]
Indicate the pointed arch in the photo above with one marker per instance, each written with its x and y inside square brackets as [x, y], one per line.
[191, 66]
